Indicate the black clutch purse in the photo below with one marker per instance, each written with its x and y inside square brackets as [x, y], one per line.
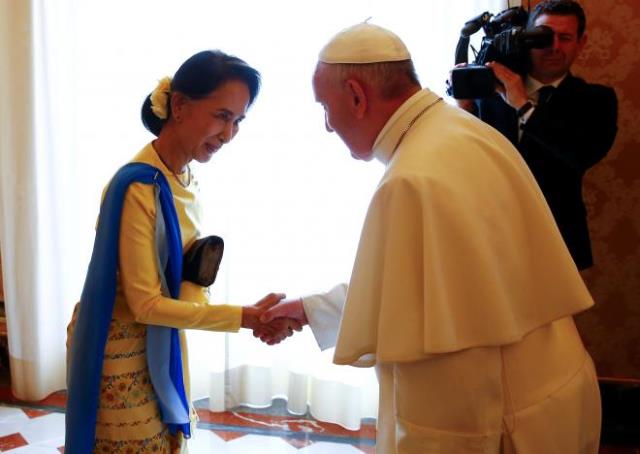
[201, 262]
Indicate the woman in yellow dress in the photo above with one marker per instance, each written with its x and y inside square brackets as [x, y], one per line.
[130, 310]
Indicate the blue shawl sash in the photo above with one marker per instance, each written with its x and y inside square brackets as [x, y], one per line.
[96, 310]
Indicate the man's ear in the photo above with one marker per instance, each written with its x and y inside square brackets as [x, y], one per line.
[357, 97]
[582, 41]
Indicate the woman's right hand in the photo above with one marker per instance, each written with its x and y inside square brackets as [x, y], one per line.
[251, 314]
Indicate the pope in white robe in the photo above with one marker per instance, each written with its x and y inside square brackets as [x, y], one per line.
[462, 291]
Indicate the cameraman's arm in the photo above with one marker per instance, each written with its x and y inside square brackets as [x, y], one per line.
[576, 129]
[512, 89]
[467, 104]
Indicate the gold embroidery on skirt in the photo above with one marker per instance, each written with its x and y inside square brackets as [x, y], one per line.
[128, 419]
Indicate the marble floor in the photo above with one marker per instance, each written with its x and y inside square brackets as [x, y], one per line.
[38, 428]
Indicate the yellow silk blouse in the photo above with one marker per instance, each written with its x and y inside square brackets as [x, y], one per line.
[138, 294]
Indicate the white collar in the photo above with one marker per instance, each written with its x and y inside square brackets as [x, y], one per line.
[388, 138]
[533, 85]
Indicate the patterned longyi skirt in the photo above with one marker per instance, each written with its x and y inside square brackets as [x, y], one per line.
[128, 419]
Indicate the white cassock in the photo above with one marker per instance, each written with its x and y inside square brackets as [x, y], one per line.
[462, 295]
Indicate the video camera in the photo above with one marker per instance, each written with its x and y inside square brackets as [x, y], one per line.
[507, 40]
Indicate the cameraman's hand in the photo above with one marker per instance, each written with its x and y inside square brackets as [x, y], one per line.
[466, 104]
[512, 89]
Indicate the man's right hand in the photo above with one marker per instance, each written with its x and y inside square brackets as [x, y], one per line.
[288, 309]
[280, 321]
[511, 86]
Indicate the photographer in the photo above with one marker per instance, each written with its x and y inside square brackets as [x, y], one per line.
[561, 124]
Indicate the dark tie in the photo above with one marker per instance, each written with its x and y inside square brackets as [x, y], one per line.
[545, 93]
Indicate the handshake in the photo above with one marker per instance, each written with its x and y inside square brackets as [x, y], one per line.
[273, 320]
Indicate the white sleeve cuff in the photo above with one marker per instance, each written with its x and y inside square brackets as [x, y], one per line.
[524, 118]
[324, 311]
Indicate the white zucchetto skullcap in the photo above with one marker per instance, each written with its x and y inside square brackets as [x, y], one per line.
[364, 43]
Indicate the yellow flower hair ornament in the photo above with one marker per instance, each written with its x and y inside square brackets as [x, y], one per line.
[160, 98]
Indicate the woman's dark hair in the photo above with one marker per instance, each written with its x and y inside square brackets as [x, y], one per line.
[560, 8]
[200, 75]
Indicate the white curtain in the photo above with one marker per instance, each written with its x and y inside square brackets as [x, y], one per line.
[36, 192]
[285, 195]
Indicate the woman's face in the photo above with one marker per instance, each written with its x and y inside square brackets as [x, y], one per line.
[205, 124]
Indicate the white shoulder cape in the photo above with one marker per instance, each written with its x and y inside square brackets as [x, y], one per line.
[458, 249]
